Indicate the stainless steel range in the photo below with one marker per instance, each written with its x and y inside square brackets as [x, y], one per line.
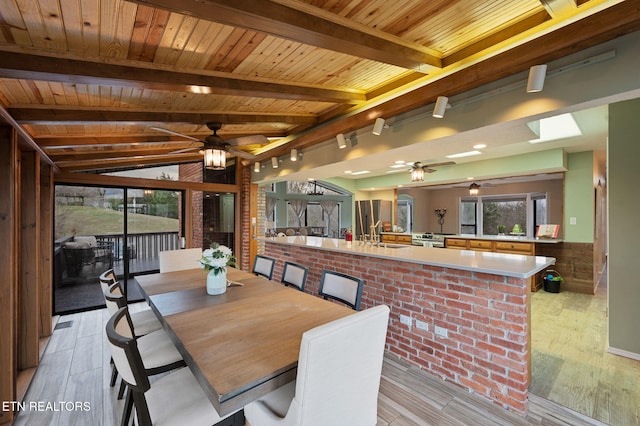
[431, 239]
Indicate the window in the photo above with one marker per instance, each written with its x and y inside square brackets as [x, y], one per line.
[314, 215]
[405, 213]
[488, 215]
[468, 217]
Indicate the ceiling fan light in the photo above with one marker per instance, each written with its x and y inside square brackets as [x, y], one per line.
[417, 174]
[474, 188]
[215, 159]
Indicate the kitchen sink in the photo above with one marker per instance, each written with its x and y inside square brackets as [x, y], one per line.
[394, 246]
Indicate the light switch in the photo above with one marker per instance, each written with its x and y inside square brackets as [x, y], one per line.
[572, 221]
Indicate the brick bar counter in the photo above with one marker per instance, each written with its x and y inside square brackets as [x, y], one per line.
[478, 302]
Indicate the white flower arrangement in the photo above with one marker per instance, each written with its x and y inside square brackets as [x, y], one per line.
[217, 258]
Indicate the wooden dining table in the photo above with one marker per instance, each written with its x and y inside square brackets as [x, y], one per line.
[243, 343]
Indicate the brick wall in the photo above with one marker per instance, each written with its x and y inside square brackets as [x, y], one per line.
[245, 225]
[192, 172]
[485, 316]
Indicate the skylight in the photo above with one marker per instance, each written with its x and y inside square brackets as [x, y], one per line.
[553, 128]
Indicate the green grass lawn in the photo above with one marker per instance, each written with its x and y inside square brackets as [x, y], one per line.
[86, 220]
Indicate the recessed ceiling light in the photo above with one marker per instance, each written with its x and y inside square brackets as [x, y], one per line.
[348, 172]
[395, 171]
[464, 154]
[400, 162]
[470, 178]
[480, 146]
[361, 172]
[554, 128]
[399, 166]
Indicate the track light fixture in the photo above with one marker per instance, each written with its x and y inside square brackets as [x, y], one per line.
[215, 159]
[256, 167]
[473, 189]
[342, 142]
[378, 126]
[537, 74]
[274, 162]
[294, 154]
[441, 106]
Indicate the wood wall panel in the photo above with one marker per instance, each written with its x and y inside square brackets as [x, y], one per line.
[8, 267]
[28, 277]
[574, 262]
[46, 249]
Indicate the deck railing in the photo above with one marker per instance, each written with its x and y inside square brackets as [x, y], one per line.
[142, 246]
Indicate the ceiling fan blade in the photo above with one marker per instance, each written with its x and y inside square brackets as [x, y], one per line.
[446, 163]
[240, 153]
[179, 151]
[247, 140]
[171, 132]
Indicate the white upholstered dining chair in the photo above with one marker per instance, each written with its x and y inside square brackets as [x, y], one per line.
[338, 376]
[175, 399]
[179, 260]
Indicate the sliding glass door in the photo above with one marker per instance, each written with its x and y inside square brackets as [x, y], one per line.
[98, 228]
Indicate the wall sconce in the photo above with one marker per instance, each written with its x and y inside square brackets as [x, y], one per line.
[473, 189]
[442, 103]
[215, 159]
[274, 162]
[417, 173]
[294, 154]
[537, 74]
[342, 143]
[378, 126]
[256, 167]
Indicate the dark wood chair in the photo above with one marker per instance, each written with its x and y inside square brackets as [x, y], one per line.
[175, 399]
[294, 275]
[263, 266]
[341, 287]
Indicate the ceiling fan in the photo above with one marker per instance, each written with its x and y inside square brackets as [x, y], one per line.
[418, 169]
[214, 147]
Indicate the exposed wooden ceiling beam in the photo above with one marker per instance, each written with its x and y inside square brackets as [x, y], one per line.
[282, 21]
[612, 22]
[75, 141]
[63, 70]
[26, 137]
[115, 163]
[83, 116]
[75, 156]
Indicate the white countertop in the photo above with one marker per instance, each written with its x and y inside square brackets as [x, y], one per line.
[505, 238]
[511, 265]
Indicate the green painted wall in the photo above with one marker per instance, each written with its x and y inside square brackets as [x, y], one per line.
[579, 200]
[624, 232]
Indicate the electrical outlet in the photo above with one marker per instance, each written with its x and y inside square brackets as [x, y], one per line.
[441, 331]
[406, 320]
[421, 325]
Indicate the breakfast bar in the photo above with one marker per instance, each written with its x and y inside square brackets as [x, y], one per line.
[462, 315]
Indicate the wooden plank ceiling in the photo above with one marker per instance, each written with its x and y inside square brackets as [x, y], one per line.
[88, 80]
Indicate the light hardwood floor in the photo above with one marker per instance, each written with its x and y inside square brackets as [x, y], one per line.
[75, 368]
[571, 365]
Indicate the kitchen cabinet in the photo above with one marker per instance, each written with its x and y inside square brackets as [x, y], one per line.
[513, 247]
[396, 238]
